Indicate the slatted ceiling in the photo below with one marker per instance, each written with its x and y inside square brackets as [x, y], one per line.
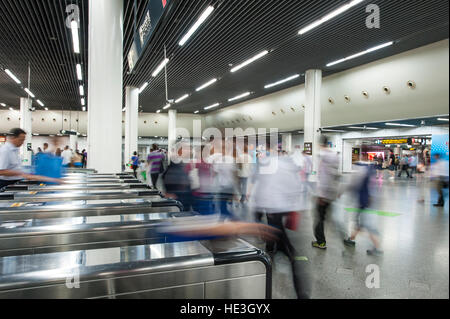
[26, 35]
[236, 31]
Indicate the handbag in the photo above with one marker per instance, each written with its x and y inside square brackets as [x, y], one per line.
[292, 221]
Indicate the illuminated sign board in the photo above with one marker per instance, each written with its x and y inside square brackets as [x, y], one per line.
[395, 141]
[2, 139]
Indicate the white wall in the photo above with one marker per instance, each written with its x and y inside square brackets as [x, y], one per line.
[428, 66]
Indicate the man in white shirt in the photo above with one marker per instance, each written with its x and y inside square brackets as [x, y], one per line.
[67, 156]
[10, 163]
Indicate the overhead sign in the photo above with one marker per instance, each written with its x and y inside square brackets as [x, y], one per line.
[308, 148]
[145, 28]
[395, 141]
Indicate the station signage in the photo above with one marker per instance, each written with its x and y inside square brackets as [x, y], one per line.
[145, 28]
[2, 139]
[308, 148]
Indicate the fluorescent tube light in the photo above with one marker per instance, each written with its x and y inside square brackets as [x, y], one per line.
[143, 87]
[159, 111]
[184, 97]
[40, 103]
[75, 37]
[239, 97]
[212, 106]
[81, 90]
[29, 92]
[361, 53]
[196, 112]
[3, 104]
[256, 57]
[11, 109]
[160, 67]
[362, 128]
[84, 109]
[329, 16]
[46, 108]
[167, 106]
[282, 81]
[206, 85]
[196, 25]
[124, 109]
[83, 102]
[12, 76]
[330, 130]
[398, 124]
[79, 72]
[440, 119]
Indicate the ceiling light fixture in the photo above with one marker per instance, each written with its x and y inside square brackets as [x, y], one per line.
[83, 109]
[29, 92]
[256, 57]
[361, 53]
[282, 81]
[363, 128]
[3, 104]
[124, 109]
[439, 119]
[184, 97]
[196, 112]
[160, 67]
[196, 25]
[79, 73]
[398, 124]
[336, 131]
[167, 106]
[212, 106]
[40, 103]
[81, 90]
[329, 16]
[206, 85]
[143, 87]
[239, 97]
[75, 37]
[83, 102]
[159, 111]
[12, 76]
[11, 109]
[46, 109]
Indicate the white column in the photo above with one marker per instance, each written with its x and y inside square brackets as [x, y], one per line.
[26, 125]
[131, 122]
[286, 141]
[313, 85]
[105, 85]
[73, 142]
[172, 134]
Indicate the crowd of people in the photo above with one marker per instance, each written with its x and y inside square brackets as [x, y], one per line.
[70, 158]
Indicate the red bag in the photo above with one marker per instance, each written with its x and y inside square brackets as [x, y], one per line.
[292, 220]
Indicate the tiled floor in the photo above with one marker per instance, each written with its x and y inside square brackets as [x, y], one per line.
[415, 263]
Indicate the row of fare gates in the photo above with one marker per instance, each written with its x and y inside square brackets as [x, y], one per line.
[96, 236]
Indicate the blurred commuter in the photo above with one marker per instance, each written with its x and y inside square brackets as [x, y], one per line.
[202, 183]
[391, 165]
[84, 155]
[135, 163]
[412, 163]
[176, 179]
[327, 191]
[404, 167]
[77, 159]
[225, 176]
[245, 169]
[45, 148]
[58, 152]
[67, 156]
[277, 192]
[361, 188]
[155, 164]
[10, 162]
[379, 166]
[440, 177]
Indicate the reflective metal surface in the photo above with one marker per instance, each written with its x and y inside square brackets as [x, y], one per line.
[74, 187]
[47, 210]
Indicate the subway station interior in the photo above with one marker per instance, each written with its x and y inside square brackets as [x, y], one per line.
[224, 149]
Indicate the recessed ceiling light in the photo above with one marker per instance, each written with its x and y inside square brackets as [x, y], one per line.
[75, 37]
[46, 109]
[361, 53]
[12, 76]
[329, 16]
[159, 111]
[40, 103]
[11, 109]
[399, 124]
[160, 67]
[196, 25]
[184, 97]
[79, 72]
[3, 104]
[282, 81]
[83, 109]
[239, 96]
[143, 87]
[196, 112]
[206, 85]
[212, 106]
[29, 92]
[81, 90]
[83, 102]
[256, 57]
